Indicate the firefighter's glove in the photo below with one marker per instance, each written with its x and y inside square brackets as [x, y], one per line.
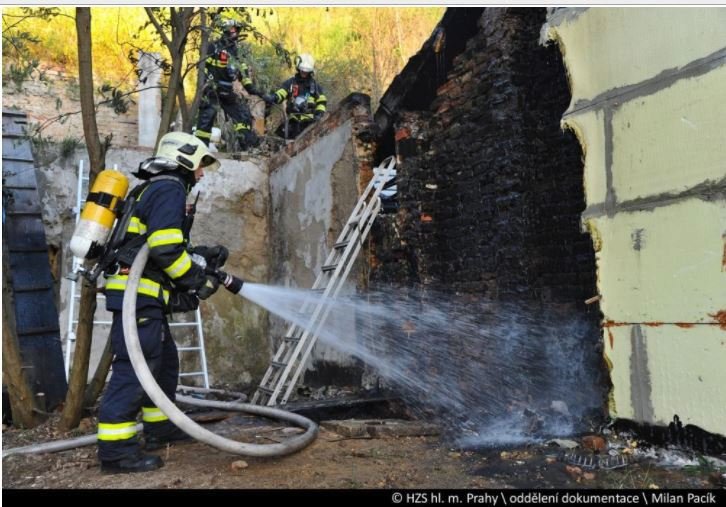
[210, 287]
[269, 98]
[215, 256]
[180, 302]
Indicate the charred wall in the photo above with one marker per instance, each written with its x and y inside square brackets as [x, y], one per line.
[491, 188]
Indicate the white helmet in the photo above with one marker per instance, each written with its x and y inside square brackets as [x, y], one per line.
[179, 149]
[305, 63]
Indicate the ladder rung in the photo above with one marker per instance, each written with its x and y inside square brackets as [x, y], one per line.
[292, 338]
[188, 349]
[191, 374]
[319, 290]
[266, 390]
[182, 324]
[98, 295]
[278, 364]
[329, 267]
[342, 244]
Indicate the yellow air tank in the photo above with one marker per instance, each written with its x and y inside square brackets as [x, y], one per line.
[98, 214]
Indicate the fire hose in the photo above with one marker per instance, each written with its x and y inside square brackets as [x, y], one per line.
[146, 378]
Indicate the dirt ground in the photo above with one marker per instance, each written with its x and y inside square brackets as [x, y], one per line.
[335, 461]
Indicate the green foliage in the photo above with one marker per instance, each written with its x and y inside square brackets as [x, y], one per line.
[68, 146]
[49, 36]
[355, 48]
[18, 73]
[115, 98]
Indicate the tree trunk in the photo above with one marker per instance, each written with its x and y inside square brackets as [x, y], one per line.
[180, 25]
[22, 401]
[194, 109]
[93, 391]
[72, 410]
[167, 112]
[183, 107]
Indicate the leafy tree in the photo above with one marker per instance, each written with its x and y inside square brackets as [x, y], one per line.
[185, 33]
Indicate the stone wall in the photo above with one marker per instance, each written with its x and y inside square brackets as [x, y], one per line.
[56, 94]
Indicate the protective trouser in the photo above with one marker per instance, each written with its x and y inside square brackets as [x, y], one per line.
[124, 396]
[235, 108]
[294, 128]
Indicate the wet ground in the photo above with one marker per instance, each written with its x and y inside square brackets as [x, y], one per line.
[343, 461]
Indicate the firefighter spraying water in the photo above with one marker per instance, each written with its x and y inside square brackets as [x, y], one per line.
[153, 223]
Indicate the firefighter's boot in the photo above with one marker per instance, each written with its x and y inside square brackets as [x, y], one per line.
[138, 463]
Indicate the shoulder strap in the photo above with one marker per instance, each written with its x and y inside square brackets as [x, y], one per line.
[168, 177]
[122, 224]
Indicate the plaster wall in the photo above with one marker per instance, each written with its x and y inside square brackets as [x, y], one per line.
[312, 195]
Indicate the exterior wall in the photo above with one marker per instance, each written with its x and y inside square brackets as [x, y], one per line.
[313, 188]
[490, 193]
[649, 114]
[232, 210]
[57, 94]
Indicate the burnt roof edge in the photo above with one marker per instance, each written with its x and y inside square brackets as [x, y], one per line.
[457, 25]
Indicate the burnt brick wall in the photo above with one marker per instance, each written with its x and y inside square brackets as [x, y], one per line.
[490, 194]
[490, 187]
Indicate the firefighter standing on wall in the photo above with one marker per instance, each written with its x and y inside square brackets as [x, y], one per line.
[171, 281]
[306, 102]
[222, 69]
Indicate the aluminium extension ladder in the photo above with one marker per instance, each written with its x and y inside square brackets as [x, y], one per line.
[293, 352]
[75, 295]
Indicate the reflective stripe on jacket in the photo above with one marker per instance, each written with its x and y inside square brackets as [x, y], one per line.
[159, 214]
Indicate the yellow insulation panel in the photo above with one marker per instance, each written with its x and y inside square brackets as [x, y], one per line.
[590, 131]
[664, 264]
[671, 141]
[662, 371]
[608, 48]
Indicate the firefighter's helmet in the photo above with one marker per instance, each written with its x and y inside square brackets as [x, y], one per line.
[232, 28]
[305, 63]
[181, 150]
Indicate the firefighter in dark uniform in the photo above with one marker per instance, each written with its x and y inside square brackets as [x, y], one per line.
[222, 69]
[171, 281]
[306, 102]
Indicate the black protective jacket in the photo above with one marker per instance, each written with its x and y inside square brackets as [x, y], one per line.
[305, 98]
[223, 68]
[159, 216]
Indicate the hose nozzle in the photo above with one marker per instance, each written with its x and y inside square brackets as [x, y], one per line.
[230, 282]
